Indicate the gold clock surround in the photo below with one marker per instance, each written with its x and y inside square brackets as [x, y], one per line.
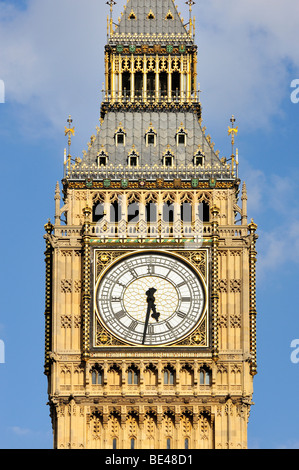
[103, 336]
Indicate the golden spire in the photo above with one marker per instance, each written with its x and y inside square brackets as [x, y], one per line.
[111, 3]
[68, 131]
[233, 131]
[190, 3]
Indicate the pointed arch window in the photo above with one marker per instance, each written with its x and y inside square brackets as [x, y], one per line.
[133, 159]
[181, 137]
[151, 137]
[168, 159]
[199, 158]
[102, 159]
[133, 377]
[97, 375]
[120, 137]
[205, 376]
[169, 376]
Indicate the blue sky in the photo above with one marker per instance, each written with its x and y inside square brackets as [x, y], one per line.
[51, 61]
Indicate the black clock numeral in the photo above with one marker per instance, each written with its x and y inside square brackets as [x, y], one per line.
[181, 315]
[186, 299]
[120, 315]
[150, 330]
[133, 325]
[181, 284]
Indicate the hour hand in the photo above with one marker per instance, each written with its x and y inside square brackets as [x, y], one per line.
[155, 314]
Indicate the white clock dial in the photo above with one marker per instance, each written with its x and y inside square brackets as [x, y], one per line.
[150, 299]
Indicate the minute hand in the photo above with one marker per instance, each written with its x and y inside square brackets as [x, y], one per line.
[146, 321]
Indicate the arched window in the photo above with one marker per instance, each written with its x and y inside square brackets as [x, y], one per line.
[168, 159]
[186, 443]
[126, 84]
[102, 159]
[151, 212]
[151, 137]
[133, 212]
[97, 376]
[199, 159]
[133, 376]
[98, 212]
[133, 159]
[163, 83]
[120, 137]
[168, 212]
[115, 212]
[168, 376]
[132, 444]
[138, 84]
[176, 84]
[151, 84]
[205, 376]
[114, 444]
[168, 444]
[186, 212]
[181, 137]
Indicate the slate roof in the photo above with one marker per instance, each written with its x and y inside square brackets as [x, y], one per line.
[150, 28]
[165, 124]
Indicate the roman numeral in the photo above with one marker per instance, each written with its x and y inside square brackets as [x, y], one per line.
[150, 330]
[133, 325]
[120, 315]
[186, 299]
[181, 284]
[181, 315]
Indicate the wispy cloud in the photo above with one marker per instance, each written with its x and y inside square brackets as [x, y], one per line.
[272, 198]
[53, 58]
[19, 431]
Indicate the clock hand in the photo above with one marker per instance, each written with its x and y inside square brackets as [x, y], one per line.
[146, 322]
[151, 306]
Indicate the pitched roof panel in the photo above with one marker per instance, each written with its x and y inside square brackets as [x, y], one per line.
[141, 24]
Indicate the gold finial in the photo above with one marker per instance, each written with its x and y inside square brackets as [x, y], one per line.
[190, 3]
[110, 21]
[233, 131]
[68, 131]
[111, 3]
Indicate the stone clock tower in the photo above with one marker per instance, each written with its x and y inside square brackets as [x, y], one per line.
[150, 263]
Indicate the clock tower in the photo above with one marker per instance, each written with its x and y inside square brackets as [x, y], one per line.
[150, 262]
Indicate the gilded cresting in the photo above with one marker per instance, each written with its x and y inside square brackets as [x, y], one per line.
[150, 182]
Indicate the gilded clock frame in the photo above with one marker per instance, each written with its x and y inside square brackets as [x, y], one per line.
[102, 337]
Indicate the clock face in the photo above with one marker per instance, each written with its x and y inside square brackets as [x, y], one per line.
[150, 299]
